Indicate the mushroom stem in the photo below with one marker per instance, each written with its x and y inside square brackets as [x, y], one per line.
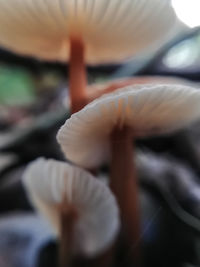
[77, 75]
[125, 187]
[67, 220]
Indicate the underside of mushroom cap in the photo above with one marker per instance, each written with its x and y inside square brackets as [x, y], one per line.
[148, 109]
[48, 181]
[110, 30]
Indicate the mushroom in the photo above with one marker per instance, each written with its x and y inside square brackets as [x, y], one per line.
[107, 127]
[83, 31]
[87, 209]
[149, 109]
[98, 89]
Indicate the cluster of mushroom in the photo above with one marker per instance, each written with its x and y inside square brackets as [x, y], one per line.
[82, 210]
[104, 131]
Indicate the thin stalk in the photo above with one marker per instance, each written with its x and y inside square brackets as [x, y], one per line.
[77, 75]
[125, 187]
[68, 219]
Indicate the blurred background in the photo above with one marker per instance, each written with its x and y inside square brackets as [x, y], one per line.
[34, 104]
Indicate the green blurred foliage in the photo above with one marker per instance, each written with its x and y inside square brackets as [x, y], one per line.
[16, 87]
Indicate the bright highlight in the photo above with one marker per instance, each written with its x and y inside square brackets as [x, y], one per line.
[188, 11]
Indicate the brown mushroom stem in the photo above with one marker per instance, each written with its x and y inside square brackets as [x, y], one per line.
[125, 187]
[68, 219]
[77, 75]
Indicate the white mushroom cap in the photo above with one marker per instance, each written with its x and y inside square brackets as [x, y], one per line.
[145, 79]
[111, 30]
[97, 89]
[148, 109]
[47, 181]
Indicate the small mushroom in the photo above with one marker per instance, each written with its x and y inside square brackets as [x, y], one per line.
[147, 109]
[109, 125]
[80, 208]
[99, 89]
[83, 31]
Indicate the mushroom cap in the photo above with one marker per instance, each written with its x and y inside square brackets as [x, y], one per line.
[48, 181]
[97, 89]
[140, 80]
[111, 30]
[148, 109]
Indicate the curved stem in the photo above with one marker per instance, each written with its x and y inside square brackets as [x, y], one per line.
[125, 187]
[77, 75]
[67, 221]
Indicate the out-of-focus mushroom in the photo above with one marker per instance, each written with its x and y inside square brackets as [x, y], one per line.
[110, 30]
[81, 209]
[109, 125]
[99, 89]
[84, 31]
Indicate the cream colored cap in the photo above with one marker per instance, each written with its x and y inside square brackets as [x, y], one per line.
[148, 109]
[48, 181]
[111, 30]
